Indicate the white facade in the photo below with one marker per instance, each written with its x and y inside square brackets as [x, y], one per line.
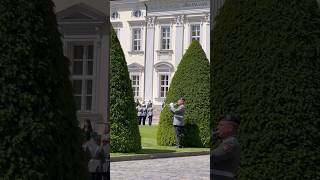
[166, 28]
[84, 27]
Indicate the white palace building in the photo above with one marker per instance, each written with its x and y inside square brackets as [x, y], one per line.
[154, 35]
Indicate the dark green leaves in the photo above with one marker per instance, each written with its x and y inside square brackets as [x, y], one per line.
[125, 135]
[265, 67]
[191, 81]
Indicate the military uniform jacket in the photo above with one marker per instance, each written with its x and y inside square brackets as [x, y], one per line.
[225, 159]
[178, 114]
[138, 108]
[143, 111]
[150, 111]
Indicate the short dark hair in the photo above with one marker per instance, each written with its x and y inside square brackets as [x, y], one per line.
[230, 117]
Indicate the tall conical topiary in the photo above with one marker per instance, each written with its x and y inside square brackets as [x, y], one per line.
[191, 81]
[39, 133]
[125, 135]
[266, 68]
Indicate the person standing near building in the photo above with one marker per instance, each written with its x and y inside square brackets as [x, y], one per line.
[144, 112]
[225, 159]
[137, 102]
[138, 108]
[87, 130]
[178, 123]
[149, 104]
[150, 113]
[96, 157]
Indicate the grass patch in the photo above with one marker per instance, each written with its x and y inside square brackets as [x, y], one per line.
[149, 144]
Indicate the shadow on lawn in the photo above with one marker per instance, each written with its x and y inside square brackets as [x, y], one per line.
[154, 151]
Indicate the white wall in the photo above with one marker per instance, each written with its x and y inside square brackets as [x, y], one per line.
[124, 7]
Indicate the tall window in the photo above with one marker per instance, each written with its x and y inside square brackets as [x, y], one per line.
[135, 85]
[195, 32]
[164, 85]
[82, 76]
[136, 40]
[165, 37]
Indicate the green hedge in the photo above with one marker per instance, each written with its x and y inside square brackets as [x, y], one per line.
[125, 135]
[266, 68]
[39, 133]
[191, 80]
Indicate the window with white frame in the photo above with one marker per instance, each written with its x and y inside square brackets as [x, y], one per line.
[195, 32]
[115, 15]
[164, 85]
[83, 76]
[135, 79]
[137, 13]
[165, 37]
[136, 39]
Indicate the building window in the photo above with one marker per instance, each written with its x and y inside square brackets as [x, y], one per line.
[164, 85]
[165, 37]
[135, 85]
[136, 39]
[137, 13]
[82, 76]
[195, 32]
[115, 15]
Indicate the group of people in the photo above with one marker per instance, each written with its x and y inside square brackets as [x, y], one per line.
[225, 158]
[144, 111]
[97, 151]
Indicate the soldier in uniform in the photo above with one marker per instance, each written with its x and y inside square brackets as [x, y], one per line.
[225, 159]
[150, 113]
[144, 112]
[138, 108]
[178, 123]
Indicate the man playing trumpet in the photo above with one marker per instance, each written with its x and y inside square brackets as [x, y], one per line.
[178, 123]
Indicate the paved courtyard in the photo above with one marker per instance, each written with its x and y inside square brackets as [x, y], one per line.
[180, 168]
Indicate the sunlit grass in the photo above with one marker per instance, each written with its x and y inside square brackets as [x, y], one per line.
[149, 144]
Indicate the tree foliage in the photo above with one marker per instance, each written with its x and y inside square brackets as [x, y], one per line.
[125, 135]
[39, 133]
[266, 68]
[191, 81]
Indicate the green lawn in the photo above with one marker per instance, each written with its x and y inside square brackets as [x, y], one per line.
[149, 144]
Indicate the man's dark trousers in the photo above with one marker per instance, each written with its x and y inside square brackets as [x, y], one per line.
[179, 135]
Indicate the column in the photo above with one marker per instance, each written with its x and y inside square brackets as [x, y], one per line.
[179, 39]
[186, 34]
[206, 43]
[103, 78]
[149, 59]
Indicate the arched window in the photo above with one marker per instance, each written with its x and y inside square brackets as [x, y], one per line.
[115, 15]
[164, 70]
[137, 13]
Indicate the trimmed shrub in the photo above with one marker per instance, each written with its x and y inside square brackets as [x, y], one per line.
[191, 80]
[125, 135]
[266, 68]
[39, 133]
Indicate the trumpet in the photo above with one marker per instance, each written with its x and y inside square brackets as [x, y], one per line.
[168, 104]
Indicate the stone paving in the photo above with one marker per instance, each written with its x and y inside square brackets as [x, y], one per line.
[179, 168]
